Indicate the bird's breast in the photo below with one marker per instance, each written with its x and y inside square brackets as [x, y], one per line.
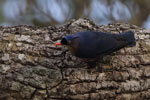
[72, 50]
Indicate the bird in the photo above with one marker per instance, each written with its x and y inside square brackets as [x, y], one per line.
[93, 44]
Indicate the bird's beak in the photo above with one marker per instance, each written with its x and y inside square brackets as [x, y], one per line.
[56, 44]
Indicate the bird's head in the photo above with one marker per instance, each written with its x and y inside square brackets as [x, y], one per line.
[71, 41]
[67, 40]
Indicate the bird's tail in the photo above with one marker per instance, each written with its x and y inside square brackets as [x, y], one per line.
[129, 37]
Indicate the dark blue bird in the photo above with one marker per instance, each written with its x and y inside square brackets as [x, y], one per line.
[92, 44]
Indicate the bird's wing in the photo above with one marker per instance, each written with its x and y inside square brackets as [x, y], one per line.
[105, 45]
[95, 44]
[110, 44]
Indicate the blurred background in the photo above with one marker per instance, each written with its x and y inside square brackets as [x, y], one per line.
[53, 12]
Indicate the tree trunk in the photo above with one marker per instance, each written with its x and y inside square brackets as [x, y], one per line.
[33, 69]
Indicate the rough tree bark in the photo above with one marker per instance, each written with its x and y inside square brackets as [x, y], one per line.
[31, 68]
